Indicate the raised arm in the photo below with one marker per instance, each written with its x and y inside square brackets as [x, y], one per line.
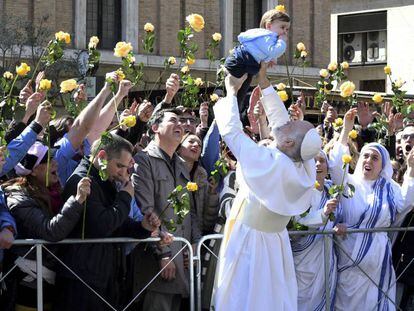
[107, 113]
[341, 147]
[274, 107]
[87, 118]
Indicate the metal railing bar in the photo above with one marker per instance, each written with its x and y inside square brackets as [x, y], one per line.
[8, 272]
[198, 255]
[395, 282]
[39, 277]
[366, 274]
[79, 278]
[205, 246]
[89, 241]
[153, 279]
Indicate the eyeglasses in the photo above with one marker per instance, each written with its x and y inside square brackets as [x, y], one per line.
[407, 136]
[184, 120]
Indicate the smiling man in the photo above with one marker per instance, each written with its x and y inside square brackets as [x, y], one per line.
[157, 171]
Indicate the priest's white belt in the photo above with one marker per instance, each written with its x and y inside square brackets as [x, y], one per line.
[258, 217]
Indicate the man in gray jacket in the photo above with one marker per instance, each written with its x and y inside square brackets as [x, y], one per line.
[157, 171]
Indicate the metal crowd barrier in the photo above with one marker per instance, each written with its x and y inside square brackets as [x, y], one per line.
[327, 237]
[39, 244]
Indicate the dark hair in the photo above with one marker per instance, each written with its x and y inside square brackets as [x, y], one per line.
[59, 127]
[158, 117]
[273, 15]
[28, 185]
[113, 145]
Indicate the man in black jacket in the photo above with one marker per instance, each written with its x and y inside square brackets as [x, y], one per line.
[106, 215]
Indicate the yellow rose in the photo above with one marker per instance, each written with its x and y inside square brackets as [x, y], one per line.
[317, 185]
[344, 65]
[68, 85]
[387, 70]
[353, 134]
[346, 158]
[323, 73]
[63, 37]
[283, 95]
[190, 61]
[214, 97]
[399, 83]
[332, 66]
[8, 75]
[196, 22]
[172, 60]
[347, 89]
[93, 42]
[148, 27]
[185, 70]
[300, 47]
[192, 186]
[216, 36]
[280, 8]
[45, 84]
[198, 82]
[339, 122]
[120, 74]
[303, 54]
[129, 121]
[22, 70]
[377, 98]
[281, 86]
[122, 49]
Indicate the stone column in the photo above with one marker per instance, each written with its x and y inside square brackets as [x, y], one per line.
[80, 24]
[130, 25]
[227, 25]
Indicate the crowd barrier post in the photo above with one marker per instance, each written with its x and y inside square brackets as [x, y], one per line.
[327, 236]
[40, 245]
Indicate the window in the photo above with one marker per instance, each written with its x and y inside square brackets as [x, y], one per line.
[362, 38]
[247, 15]
[372, 85]
[103, 19]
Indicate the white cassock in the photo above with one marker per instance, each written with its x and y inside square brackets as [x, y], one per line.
[376, 203]
[255, 270]
[309, 255]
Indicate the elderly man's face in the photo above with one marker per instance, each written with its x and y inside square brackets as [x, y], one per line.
[289, 137]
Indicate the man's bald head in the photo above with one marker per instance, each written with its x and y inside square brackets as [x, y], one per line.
[289, 138]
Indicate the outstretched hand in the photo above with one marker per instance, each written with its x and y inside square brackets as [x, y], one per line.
[234, 84]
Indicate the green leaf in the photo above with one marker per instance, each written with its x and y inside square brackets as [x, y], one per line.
[181, 35]
[351, 190]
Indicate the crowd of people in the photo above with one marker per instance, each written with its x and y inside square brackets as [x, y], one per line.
[59, 192]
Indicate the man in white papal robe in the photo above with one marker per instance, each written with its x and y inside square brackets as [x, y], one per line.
[255, 269]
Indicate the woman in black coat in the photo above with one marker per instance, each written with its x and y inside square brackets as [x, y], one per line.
[40, 213]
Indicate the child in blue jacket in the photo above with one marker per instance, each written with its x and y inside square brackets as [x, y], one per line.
[264, 44]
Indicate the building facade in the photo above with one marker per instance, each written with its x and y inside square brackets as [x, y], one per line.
[370, 35]
[123, 20]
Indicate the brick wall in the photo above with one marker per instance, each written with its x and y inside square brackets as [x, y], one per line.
[310, 22]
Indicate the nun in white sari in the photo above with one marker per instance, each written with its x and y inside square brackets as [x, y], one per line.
[377, 202]
[255, 268]
[309, 250]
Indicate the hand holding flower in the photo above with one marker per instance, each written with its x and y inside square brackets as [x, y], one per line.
[330, 207]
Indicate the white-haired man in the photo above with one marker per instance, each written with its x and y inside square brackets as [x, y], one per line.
[256, 270]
